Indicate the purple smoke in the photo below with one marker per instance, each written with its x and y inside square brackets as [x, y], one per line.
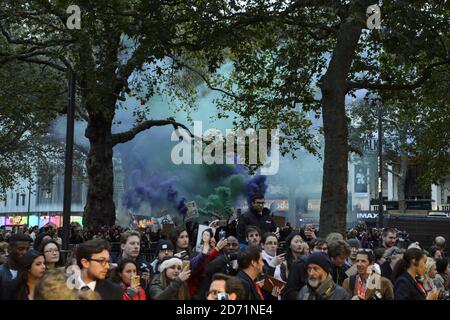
[255, 185]
[158, 190]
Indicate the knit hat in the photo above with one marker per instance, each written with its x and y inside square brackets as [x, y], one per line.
[321, 259]
[441, 265]
[168, 262]
[164, 245]
[354, 243]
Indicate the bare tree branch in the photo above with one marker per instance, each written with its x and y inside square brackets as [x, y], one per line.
[391, 171]
[130, 134]
[351, 85]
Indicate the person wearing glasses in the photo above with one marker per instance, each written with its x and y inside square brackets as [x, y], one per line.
[258, 216]
[94, 261]
[171, 283]
[368, 284]
[52, 254]
[225, 287]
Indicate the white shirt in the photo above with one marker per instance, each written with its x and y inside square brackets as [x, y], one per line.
[80, 284]
[13, 273]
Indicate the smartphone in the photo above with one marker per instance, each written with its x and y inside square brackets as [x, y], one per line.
[222, 234]
[280, 251]
[135, 281]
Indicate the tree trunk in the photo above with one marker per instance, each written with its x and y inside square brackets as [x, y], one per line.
[333, 206]
[100, 208]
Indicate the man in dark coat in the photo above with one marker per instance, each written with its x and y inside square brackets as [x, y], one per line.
[18, 245]
[250, 267]
[257, 216]
[94, 261]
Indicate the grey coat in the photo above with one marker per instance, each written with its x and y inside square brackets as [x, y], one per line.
[328, 290]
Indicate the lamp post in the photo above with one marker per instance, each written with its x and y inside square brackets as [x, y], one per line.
[69, 160]
[380, 168]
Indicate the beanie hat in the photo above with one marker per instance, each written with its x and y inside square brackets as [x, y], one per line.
[164, 245]
[321, 259]
[441, 265]
[168, 262]
[354, 243]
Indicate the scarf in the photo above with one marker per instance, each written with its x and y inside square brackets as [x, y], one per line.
[323, 291]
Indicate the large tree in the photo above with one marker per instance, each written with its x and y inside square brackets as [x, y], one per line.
[123, 48]
[296, 51]
[283, 54]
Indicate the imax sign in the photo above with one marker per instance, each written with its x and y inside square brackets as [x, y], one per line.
[367, 215]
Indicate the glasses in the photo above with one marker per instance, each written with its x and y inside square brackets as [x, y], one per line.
[365, 251]
[102, 262]
[260, 202]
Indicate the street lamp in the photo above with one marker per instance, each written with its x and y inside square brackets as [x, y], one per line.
[380, 168]
[69, 160]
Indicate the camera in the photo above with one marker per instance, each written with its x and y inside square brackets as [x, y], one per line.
[223, 296]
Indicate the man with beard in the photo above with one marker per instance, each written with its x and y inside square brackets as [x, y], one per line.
[320, 284]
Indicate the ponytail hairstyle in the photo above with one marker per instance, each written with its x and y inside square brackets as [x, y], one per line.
[408, 257]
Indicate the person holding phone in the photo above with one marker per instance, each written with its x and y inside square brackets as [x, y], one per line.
[126, 275]
[171, 283]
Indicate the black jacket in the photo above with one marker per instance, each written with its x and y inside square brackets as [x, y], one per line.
[338, 273]
[406, 288]
[263, 221]
[297, 279]
[5, 281]
[249, 286]
[386, 270]
[108, 290]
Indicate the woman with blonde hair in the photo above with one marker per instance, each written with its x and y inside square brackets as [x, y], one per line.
[170, 284]
[53, 286]
[429, 275]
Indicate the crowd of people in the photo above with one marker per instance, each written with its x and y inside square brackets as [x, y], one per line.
[248, 259]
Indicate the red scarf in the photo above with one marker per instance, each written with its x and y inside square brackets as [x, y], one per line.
[258, 289]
